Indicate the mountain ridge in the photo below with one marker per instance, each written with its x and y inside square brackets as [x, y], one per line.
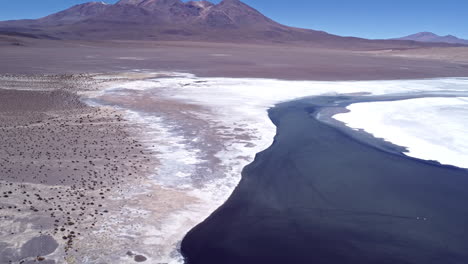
[434, 38]
[227, 21]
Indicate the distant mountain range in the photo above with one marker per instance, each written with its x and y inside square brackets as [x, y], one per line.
[433, 38]
[228, 21]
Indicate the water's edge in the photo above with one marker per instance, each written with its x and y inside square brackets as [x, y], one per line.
[199, 244]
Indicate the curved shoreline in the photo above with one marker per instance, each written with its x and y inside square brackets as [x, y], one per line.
[299, 202]
[367, 138]
[156, 85]
[185, 90]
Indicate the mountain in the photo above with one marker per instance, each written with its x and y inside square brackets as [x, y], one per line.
[158, 19]
[228, 21]
[433, 38]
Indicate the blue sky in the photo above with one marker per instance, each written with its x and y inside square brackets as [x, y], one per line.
[361, 18]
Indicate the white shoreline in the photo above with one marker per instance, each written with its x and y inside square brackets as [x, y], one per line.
[235, 104]
[430, 128]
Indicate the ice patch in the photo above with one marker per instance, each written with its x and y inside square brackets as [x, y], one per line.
[431, 128]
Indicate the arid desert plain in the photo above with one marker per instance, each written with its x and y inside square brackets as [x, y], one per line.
[125, 151]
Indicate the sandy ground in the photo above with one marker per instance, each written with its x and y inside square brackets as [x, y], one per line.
[67, 169]
[83, 182]
[455, 55]
[231, 60]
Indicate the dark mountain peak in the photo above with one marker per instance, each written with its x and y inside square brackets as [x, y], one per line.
[93, 4]
[426, 34]
[235, 4]
[130, 2]
[167, 10]
[200, 4]
[76, 13]
[149, 3]
[227, 2]
[235, 13]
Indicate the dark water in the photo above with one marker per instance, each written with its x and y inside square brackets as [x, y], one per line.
[318, 195]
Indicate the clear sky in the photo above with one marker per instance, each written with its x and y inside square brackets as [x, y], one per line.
[361, 18]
